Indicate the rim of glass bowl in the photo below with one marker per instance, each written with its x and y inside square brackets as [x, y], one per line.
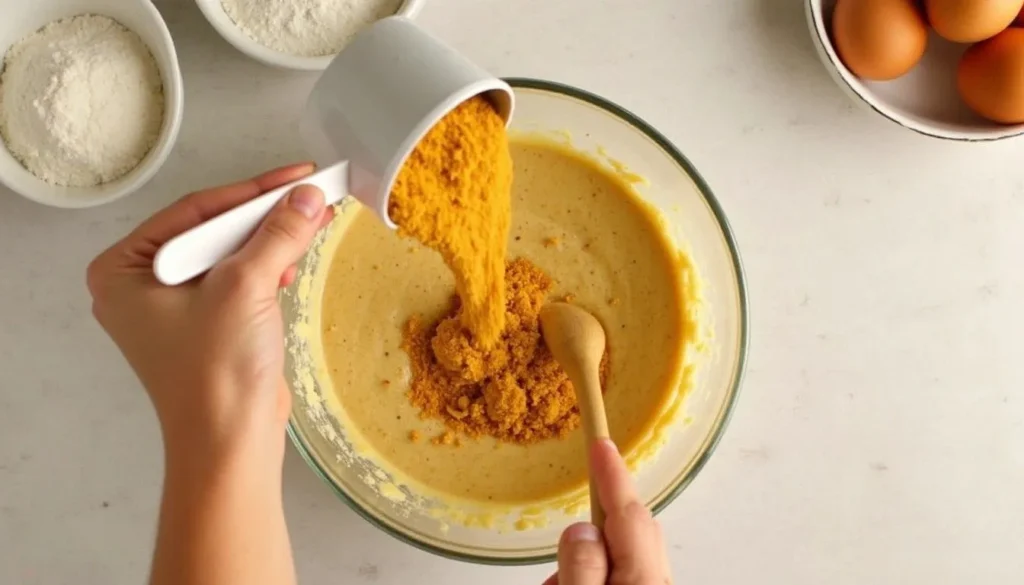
[688, 474]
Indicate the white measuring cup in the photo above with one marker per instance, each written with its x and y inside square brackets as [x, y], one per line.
[367, 112]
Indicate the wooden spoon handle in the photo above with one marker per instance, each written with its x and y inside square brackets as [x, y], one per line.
[595, 427]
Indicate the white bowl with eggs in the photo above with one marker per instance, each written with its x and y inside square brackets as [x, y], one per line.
[235, 33]
[889, 56]
[21, 19]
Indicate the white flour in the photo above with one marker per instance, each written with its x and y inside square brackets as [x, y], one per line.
[81, 101]
[306, 28]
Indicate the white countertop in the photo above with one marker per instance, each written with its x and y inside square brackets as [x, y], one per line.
[879, 437]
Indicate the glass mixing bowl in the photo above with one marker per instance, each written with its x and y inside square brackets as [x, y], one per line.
[697, 224]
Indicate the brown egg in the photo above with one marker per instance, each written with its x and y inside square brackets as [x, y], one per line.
[970, 21]
[879, 39]
[991, 77]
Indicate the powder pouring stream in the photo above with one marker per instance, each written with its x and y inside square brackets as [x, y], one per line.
[368, 111]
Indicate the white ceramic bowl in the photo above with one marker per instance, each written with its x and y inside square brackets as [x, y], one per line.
[21, 19]
[213, 10]
[925, 100]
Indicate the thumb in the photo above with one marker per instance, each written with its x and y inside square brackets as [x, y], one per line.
[581, 556]
[285, 234]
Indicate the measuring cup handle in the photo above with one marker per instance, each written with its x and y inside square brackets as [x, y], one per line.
[197, 250]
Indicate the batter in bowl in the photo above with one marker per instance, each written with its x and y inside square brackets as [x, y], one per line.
[601, 245]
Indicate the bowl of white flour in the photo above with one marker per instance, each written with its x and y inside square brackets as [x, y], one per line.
[298, 34]
[90, 99]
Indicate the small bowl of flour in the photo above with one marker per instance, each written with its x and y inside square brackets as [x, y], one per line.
[90, 99]
[298, 34]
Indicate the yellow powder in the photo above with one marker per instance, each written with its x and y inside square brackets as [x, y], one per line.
[514, 391]
[482, 369]
[454, 195]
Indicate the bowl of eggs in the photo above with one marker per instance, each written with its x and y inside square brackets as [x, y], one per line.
[950, 69]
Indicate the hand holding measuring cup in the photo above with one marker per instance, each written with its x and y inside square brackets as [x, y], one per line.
[368, 111]
[209, 353]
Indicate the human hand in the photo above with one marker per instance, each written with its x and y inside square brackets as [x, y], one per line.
[631, 551]
[211, 352]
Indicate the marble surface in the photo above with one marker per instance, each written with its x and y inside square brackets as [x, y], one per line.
[879, 437]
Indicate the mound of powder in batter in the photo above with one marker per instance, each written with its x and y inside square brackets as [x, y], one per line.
[514, 391]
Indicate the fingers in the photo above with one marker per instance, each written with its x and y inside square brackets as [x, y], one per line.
[582, 559]
[293, 271]
[633, 537]
[289, 276]
[327, 217]
[200, 206]
[614, 483]
[283, 237]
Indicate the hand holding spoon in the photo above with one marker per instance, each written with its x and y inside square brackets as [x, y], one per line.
[577, 340]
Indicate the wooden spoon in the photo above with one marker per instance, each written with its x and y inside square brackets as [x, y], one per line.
[577, 340]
